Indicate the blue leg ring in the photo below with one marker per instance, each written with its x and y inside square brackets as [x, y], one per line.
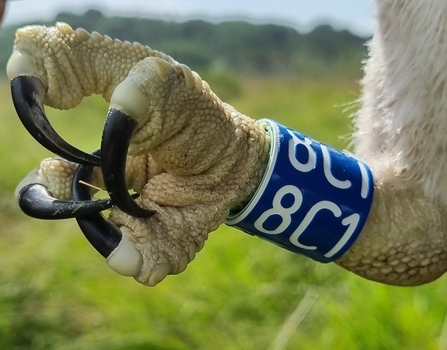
[313, 200]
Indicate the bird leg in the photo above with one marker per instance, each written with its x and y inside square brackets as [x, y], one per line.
[192, 159]
[208, 157]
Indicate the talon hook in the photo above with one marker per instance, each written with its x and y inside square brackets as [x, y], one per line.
[118, 131]
[35, 200]
[100, 232]
[27, 93]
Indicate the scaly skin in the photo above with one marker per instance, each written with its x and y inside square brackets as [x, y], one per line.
[194, 158]
[403, 242]
[400, 133]
[205, 157]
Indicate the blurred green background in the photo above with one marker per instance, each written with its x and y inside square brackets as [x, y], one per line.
[56, 292]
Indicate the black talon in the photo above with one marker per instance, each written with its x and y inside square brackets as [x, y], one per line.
[27, 92]
[100, 232]
[118, 131]
[35, 201]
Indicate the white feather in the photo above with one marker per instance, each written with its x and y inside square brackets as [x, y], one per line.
[401, 129]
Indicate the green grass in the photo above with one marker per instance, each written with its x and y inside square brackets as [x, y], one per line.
[56, 292]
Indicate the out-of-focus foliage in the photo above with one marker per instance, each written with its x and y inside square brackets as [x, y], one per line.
[56, 292]
[238, 47]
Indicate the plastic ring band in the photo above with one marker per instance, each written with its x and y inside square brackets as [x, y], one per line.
[313, 200]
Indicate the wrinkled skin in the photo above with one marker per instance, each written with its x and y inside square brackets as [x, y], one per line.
[194, 158]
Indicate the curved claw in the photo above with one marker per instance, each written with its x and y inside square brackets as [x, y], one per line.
[117, 133]
[27, 92]
[35, 201]
[100, 232]
[104, 236]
